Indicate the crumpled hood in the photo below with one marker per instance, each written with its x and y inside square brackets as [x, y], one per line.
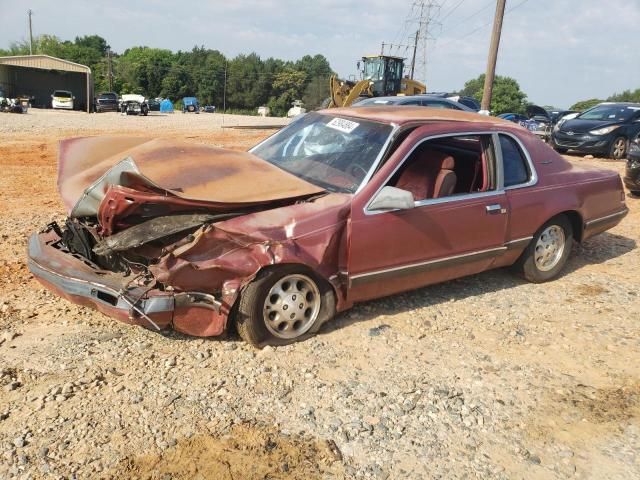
[87, 167]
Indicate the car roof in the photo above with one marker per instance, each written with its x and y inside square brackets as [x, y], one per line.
[403, 114]
[625, 104]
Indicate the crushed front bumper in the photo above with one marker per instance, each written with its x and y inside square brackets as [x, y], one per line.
[78, 280]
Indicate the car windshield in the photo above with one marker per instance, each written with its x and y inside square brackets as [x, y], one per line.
[62, 94]
[333, 152]
[614, 113]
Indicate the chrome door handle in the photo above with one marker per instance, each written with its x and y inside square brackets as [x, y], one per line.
[495, 209]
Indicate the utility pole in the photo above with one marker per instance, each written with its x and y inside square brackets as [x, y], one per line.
[493, 55]
[382, 49]
[424, 13]
[110, 69]
[413, 59]
[30, 12]
[224, 90]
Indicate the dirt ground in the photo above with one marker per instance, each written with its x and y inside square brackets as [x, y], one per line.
[481, 377]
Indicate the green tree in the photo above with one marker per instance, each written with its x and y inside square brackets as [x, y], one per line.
[316, 92]
[142, 70]
[585, 104]
[288, 86]
[507, 96]
[626, 96]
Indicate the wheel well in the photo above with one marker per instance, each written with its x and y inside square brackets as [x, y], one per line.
[576, 223]
[302, 267]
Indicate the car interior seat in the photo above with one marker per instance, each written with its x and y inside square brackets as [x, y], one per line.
[429, 175]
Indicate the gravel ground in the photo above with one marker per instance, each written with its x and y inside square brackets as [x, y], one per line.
[481, 377]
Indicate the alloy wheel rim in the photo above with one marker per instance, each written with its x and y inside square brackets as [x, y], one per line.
[618, 148]
[292, 306]
[549, 248]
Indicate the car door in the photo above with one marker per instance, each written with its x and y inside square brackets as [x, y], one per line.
[437, 240]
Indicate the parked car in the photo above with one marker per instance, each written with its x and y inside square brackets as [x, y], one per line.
[467, 101]
[602, 130]
[62, 99]
[339, 207]
[632, 169]
[131, 104]
[557, 115]
[514, 117]
[154, 104]
[190, 104]
[107, 102]
[422, 100]
[539, 122]
[209, 109]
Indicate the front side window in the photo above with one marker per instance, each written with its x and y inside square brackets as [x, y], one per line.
[516, 169]
[333, 152]
[448, 167]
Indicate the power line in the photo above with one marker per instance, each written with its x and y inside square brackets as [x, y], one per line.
[466, 19]
[482, 26]
[452, 10]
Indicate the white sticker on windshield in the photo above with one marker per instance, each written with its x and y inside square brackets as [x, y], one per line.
[346, 126]
[612, 116]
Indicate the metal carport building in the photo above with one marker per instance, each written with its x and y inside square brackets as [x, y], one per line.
[40, 75]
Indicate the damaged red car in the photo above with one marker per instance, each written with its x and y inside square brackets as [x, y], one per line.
[341, 206]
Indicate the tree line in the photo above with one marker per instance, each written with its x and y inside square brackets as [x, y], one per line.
[240, 84]
[508, 98]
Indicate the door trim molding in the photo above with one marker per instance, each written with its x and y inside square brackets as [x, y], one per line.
[422, 267]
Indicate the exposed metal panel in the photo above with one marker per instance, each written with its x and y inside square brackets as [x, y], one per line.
[44, 62]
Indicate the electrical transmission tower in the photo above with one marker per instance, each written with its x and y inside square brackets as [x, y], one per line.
[424, 14]
[415, 36]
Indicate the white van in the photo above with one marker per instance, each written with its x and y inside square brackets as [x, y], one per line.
[62, 99]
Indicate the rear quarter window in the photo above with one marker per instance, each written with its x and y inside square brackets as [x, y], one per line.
[515, 166]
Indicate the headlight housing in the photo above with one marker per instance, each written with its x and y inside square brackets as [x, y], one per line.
[604, 130]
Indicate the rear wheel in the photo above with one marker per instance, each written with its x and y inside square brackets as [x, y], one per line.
[548, 251]
[618, 148]
[560, 150]
[283, 305]
[191, 108]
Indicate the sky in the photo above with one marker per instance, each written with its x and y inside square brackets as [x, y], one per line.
[560, 51]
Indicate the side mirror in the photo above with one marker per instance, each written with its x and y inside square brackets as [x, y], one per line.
[51, 96]
[392, 198]
[73, 98]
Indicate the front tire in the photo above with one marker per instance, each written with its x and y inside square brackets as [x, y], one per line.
[618, 148]
[561, 150]
[548, 251]
[283, 305]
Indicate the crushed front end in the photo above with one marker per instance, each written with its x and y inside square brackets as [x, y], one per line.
[142, 241]
[128, 292]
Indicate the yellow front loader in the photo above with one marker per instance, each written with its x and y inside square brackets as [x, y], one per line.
[382, 75]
